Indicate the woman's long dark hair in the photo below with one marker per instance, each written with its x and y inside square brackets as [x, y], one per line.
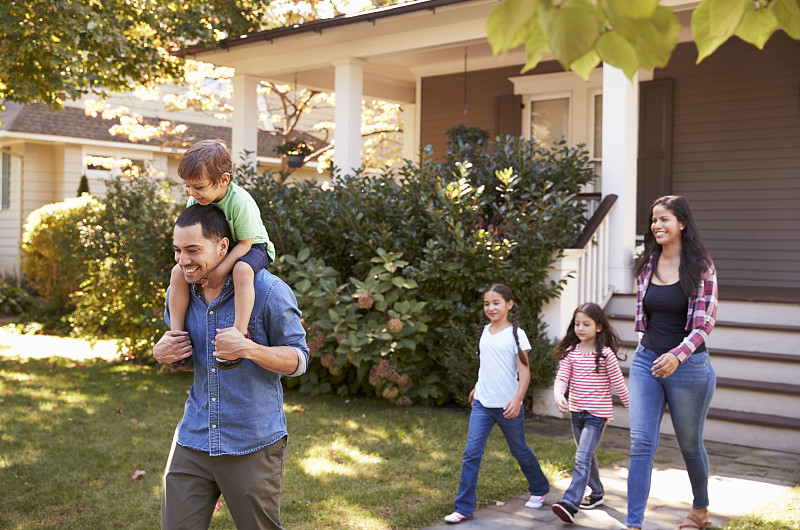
[605, 337]
[505, 292]
[694, 255]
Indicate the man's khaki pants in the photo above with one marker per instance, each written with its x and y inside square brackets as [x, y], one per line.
[251, 485]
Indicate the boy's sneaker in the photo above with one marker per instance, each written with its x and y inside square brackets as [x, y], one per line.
[535, 501]
[455, 518]
[564, 512]
[591, 501]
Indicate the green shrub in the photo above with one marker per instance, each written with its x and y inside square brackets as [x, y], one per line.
[127, 267]
[459, 226]
[52, 247]
[13, 300]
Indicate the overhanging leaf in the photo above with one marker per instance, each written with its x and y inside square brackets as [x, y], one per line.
[584, 65]
[535, 45]
[654, 39]
[757, 26]
[631, 8]
[505, 27]
[713, 22]
[615, 49]
[788, 14]
[571, 29]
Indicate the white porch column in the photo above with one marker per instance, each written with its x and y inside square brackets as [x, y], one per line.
[410, 137]
[245, 119]
[620, 152]
[349, 83]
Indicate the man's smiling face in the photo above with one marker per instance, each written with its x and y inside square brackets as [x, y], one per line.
[197, 255]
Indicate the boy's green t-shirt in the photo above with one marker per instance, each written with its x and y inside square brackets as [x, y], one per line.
[244, 217]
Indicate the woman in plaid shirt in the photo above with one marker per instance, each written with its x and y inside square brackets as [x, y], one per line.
[676, 287]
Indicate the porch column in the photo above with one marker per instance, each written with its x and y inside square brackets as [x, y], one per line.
[245, 119]
[410, 137]
[349, 83]
[620, 152]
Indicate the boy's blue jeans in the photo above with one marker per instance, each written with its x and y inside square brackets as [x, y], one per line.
[587, 430]
[688, 392]
[481, 421]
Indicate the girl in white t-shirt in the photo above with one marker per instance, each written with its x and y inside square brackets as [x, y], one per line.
[503, 380]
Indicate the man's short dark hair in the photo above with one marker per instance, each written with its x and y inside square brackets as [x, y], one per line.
[210, 218]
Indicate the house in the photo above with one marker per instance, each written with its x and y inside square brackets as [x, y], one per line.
[724, 133]
[44, 153]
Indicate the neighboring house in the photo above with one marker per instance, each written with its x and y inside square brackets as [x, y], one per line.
[43, 154]
[724, 133]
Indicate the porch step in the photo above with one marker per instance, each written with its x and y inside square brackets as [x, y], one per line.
[755, 352]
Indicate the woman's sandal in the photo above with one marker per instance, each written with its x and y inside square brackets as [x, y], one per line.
[692, 521]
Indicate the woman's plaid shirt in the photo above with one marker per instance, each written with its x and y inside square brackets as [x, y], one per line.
[699, 319]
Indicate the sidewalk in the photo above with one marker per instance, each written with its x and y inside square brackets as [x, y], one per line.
[742, 479]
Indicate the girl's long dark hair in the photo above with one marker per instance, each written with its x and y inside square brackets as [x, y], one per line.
[605, 337]
[505, 292]
[694, 255]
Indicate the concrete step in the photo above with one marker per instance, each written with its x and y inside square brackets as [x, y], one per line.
[751, 430]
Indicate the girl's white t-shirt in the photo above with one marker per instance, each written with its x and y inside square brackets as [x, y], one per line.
[497, 375]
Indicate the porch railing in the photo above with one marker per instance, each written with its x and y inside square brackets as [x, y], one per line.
[592, 267]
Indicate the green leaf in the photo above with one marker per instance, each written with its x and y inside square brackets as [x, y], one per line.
[398, 281]
[615, 49]
[757, 26]
[535, 44]
[713, 22]
[506, 25]
[334, 316]
[304, 253]
[584, 66]
[571, 29]
[788, 14]
[654, 39]
[631, 8]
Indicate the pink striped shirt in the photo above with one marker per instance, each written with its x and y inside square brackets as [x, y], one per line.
[590, 391]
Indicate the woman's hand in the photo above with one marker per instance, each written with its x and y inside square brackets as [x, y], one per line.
[471, 396]
[665, 365]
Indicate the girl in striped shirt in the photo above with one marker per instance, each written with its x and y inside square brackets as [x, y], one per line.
[589, 367]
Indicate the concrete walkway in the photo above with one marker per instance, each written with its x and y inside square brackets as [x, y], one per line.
[742, 480]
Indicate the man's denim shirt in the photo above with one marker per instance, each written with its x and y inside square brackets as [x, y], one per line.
[238, 411]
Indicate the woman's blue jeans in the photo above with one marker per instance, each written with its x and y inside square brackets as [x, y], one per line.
[587, 429]
[688, 392]
[481, 421]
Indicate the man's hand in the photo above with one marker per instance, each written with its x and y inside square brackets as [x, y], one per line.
[172, 347]
[230, 344]
[471, 396]
[512, 408]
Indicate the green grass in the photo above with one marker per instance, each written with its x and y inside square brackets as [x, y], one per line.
[781, 514]
[73, 433]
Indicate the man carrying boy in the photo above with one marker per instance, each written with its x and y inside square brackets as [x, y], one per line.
[232, 437]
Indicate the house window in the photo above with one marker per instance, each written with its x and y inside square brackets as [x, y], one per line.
[5, 178]
[549, 120]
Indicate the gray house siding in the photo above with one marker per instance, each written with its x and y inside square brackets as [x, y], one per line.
[736, 156]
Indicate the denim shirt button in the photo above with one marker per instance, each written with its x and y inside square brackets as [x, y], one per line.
[214, 426]
[213, 399]
[210, 312]
[213, 369]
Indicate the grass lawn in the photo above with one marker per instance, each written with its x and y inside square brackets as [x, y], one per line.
[72, 434]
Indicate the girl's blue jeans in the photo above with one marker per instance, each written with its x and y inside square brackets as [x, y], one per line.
[587, 430]
[688, 392]
[481, 421]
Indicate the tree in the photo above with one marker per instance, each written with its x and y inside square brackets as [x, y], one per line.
[55, 50]
[630, 34]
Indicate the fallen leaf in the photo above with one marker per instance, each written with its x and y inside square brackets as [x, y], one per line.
[134, 421]
[34, 398]
[138, 473]
[218, 506]
[119, 410]
[499, 503]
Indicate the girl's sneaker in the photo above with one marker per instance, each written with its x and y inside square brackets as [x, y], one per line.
[535, 501]
[564, 512]
[591, 501]
[455, 518]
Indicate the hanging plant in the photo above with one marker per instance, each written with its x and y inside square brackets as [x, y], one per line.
[295, 152]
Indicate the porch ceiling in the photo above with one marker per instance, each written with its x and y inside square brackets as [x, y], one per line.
[398, 45]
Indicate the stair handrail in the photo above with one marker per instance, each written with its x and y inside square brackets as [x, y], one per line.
[593, 275]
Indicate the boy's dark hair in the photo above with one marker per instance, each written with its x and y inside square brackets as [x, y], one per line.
[505, 292]
[210, 218]
[206, 158]
[607, 336]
